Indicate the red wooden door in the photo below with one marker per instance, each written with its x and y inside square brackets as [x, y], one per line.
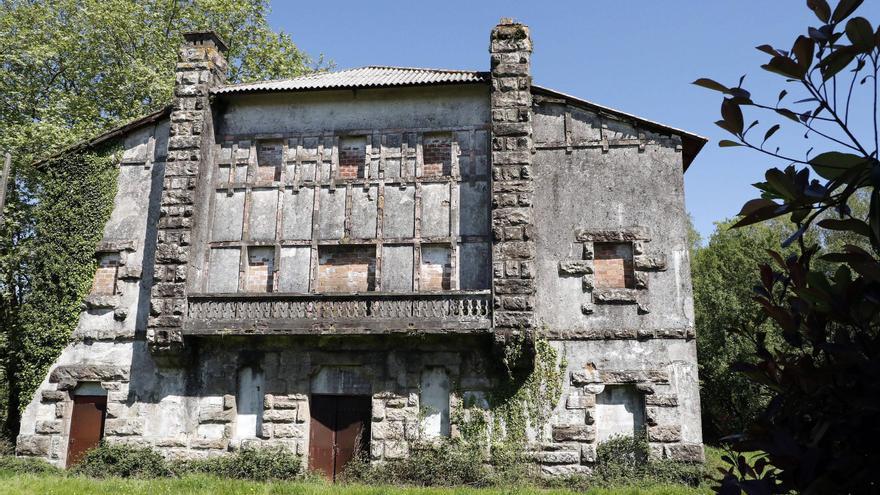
[86, 425]
[340, 429]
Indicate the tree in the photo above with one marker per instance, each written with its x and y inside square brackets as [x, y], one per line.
[70, 69]
[724, 272]
[819, 432]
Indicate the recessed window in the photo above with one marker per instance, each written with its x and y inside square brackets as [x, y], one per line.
[620, 411]
[260, 270]
[346, 268]
[613, 264]
[352, 157]
[269, 161]
[436, 155]
[106, 275]
[435, 272]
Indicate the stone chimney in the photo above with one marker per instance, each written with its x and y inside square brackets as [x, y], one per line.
[513, 247]
[201, 65]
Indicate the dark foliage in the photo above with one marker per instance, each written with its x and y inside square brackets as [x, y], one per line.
[446, 463]
[819, 432]
[250, 464]
[108, 460]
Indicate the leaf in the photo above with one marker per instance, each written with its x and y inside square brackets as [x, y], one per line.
[860, 34]
[754, 205]
[848, 225]
[732, 115]
[771, 131]
[781, 96]
[833, 164]
[820, 8]
[836, 61]
[769, 50]
[844, 9]
[803, 50]
[785, 66]
[710, 84]
[726, 143]
[788, 114]
[781, 183]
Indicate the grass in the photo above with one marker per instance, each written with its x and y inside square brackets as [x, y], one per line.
[61, 483]
[15, 484]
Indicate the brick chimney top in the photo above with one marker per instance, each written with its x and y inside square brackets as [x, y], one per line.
[206, 38]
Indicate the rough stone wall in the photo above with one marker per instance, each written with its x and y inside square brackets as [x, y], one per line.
[201, 65]
[611, 202]
[112, 326]
[513, 248]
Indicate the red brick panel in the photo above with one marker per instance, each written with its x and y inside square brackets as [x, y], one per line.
[352, 158]
[437, 155]
[260, 271]
[269, 161]
[613, 265]
[346, 269]
[435, 272]
[105, 276]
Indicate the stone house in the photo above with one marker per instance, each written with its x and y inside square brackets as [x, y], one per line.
[339, 261]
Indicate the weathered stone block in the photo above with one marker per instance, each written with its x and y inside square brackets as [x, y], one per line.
[123, 427]
[67, 376]
[280, 416]
[662, 400]
[664, 433]
[588, 453]
[558, 457]
[576, 267]
[36, 445]
[48, 427]
[288, 430]
[396, 449]
[53, 395]
[574, 433]
[580, 401]
[209, 443]
[685, 452]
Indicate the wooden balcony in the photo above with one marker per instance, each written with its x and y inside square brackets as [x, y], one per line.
[338, 314]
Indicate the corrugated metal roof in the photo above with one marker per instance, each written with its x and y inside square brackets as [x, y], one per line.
[361, 77]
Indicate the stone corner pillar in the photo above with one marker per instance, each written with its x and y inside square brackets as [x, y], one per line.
[201, 65]
[513, 244]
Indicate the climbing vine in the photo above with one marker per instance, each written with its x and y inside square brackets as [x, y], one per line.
[73, 200]
[521, 402]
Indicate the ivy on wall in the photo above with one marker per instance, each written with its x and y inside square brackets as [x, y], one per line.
[74, 198]
[522, 402]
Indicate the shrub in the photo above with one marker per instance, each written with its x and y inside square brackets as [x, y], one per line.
[26, 465]
[623, 460]
[123, 461]
[444, 463]
[6, 446]
[250, 464]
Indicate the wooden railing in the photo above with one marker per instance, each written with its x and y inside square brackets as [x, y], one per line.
[371, 312]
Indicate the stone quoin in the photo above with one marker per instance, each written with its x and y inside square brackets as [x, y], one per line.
[368, 244]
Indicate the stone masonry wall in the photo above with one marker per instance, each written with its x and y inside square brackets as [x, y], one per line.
[200, 66]
[513, 248]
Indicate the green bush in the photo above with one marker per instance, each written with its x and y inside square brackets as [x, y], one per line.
[250, 464]
[26, 465]
[123, 461]
[623, 460]
[444, 463]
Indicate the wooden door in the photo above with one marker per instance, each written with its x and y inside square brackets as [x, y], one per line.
[340, 429]
[86, 425]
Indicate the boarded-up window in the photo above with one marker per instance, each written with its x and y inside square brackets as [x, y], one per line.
[346, 268]
[434, 399]
[620, 411]
[269, 161]
[613, 265]
[260, 270]
[352, 157]
[437, 155]
[249, 403]
[223, 270]
[105, 276]
[436, 268]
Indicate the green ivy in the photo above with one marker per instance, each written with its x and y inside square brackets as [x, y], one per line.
[520, 402]
[74, 197]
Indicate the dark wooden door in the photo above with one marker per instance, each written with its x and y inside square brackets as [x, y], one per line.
[86, 425]
[340, 429]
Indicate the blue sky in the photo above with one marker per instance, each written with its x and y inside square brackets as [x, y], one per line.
[636, 56]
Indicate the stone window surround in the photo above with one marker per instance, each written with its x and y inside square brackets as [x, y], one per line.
[573, 446]
[125, 271]
[643, 263]
[287, 184]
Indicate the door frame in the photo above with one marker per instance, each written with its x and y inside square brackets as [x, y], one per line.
[94, 399]
[364, 437]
